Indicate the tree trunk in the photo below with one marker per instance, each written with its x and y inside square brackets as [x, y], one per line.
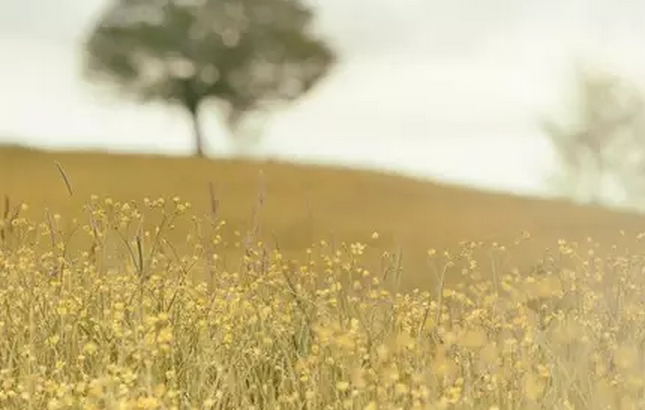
[198, 133]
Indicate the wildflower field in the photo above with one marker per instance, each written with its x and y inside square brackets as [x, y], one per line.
[154, 302]
[290, 207]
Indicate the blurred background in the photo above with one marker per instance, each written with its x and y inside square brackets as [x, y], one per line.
[451, 91]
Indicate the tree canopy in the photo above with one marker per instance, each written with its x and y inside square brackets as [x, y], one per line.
[246, 54]
[602, 152]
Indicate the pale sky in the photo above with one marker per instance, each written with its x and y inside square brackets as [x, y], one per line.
[451, 90]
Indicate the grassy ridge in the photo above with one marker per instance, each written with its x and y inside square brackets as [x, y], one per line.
[302, 204]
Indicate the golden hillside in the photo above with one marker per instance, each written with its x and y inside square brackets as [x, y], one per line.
[304, 204]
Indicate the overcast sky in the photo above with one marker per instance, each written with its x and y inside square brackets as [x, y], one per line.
[446, 89]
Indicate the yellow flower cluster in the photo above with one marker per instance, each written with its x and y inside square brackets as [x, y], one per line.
[108, 314]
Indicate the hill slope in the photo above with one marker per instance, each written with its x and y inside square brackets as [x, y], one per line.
[304, 204]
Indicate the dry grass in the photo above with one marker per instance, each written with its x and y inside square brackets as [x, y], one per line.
[141, 299]
[123, 320]
[301, 205]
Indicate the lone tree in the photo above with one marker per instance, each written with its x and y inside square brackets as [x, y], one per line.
[604, 147]
[244, 54]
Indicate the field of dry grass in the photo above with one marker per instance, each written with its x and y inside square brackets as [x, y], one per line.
[136, 299]
[294, 206]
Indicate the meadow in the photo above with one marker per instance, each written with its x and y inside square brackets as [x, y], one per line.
[289, 207]
[161, 283]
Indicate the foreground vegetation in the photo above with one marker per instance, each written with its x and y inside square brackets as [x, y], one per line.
[105, 312]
